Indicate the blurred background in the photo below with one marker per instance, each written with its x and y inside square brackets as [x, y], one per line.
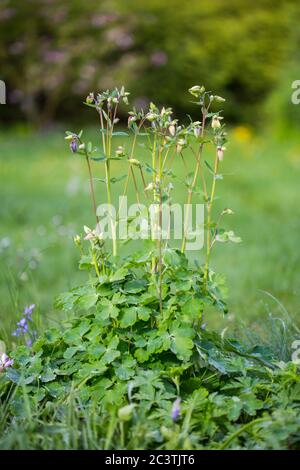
[53, 53]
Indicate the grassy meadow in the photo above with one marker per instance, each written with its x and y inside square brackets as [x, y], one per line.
[45, 201]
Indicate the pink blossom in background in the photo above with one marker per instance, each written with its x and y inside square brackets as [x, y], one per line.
[7, 13]
[102, 19]
[158, 58]
[121, 38]
[141, 102]
[16, 48]
[54, 55]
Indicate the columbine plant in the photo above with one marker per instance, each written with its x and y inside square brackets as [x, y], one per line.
[134, 354]
[166, 140]
[133, 363]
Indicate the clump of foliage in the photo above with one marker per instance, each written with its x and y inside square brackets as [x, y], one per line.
[133, 366]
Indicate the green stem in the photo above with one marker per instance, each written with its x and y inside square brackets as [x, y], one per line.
[108, 188]
[110, 432]
[160, 235]
[240, 431]
[92, 187]
[107, 152]
[191, 189]
[209, 214]
[154, 190]
[122, 434]
[96, 264]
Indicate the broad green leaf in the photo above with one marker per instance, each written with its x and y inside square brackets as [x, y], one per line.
[65, 301]
[129, 317]
[182, 343]
[193, 308]
[69, 352]
[182, 347]
[106, 309]
[134, 286]
[142, 355]
[87, 301]
[48, 376]
[126, 369]
[143, 313]
[119, 275]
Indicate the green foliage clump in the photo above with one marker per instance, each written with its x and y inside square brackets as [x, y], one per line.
[93, 385]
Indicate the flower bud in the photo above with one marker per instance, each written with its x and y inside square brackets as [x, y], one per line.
[74, 145]
[166, 432]
[109, 101]
[125, 413]
[133, 161]
[172, 130]
[215, 123]
[176, 409]
[180, 145]
[5, 362]
[120, 151]
[82, 146]
[77, 240]
[220, 153]
[227, 212]
[151, 117]
[197, 90]
[197, 131]
[90, 98]
[219, 99]
[150, 187]
[131, 120]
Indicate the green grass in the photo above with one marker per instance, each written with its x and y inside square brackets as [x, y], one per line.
[45, 201]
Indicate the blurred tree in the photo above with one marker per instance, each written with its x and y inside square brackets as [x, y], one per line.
[237, 48]
[53, 52]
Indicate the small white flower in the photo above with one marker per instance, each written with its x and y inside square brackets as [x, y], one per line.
[150, 187]
[172, 130]
[215, 123]
[120, 151]
[151, 117]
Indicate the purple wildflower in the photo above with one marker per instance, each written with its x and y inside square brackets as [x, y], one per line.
[17, 332]
[74, 145]
[5, 362]
[29, 310]
[176, 409]
[22, 323]
[29, 343]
